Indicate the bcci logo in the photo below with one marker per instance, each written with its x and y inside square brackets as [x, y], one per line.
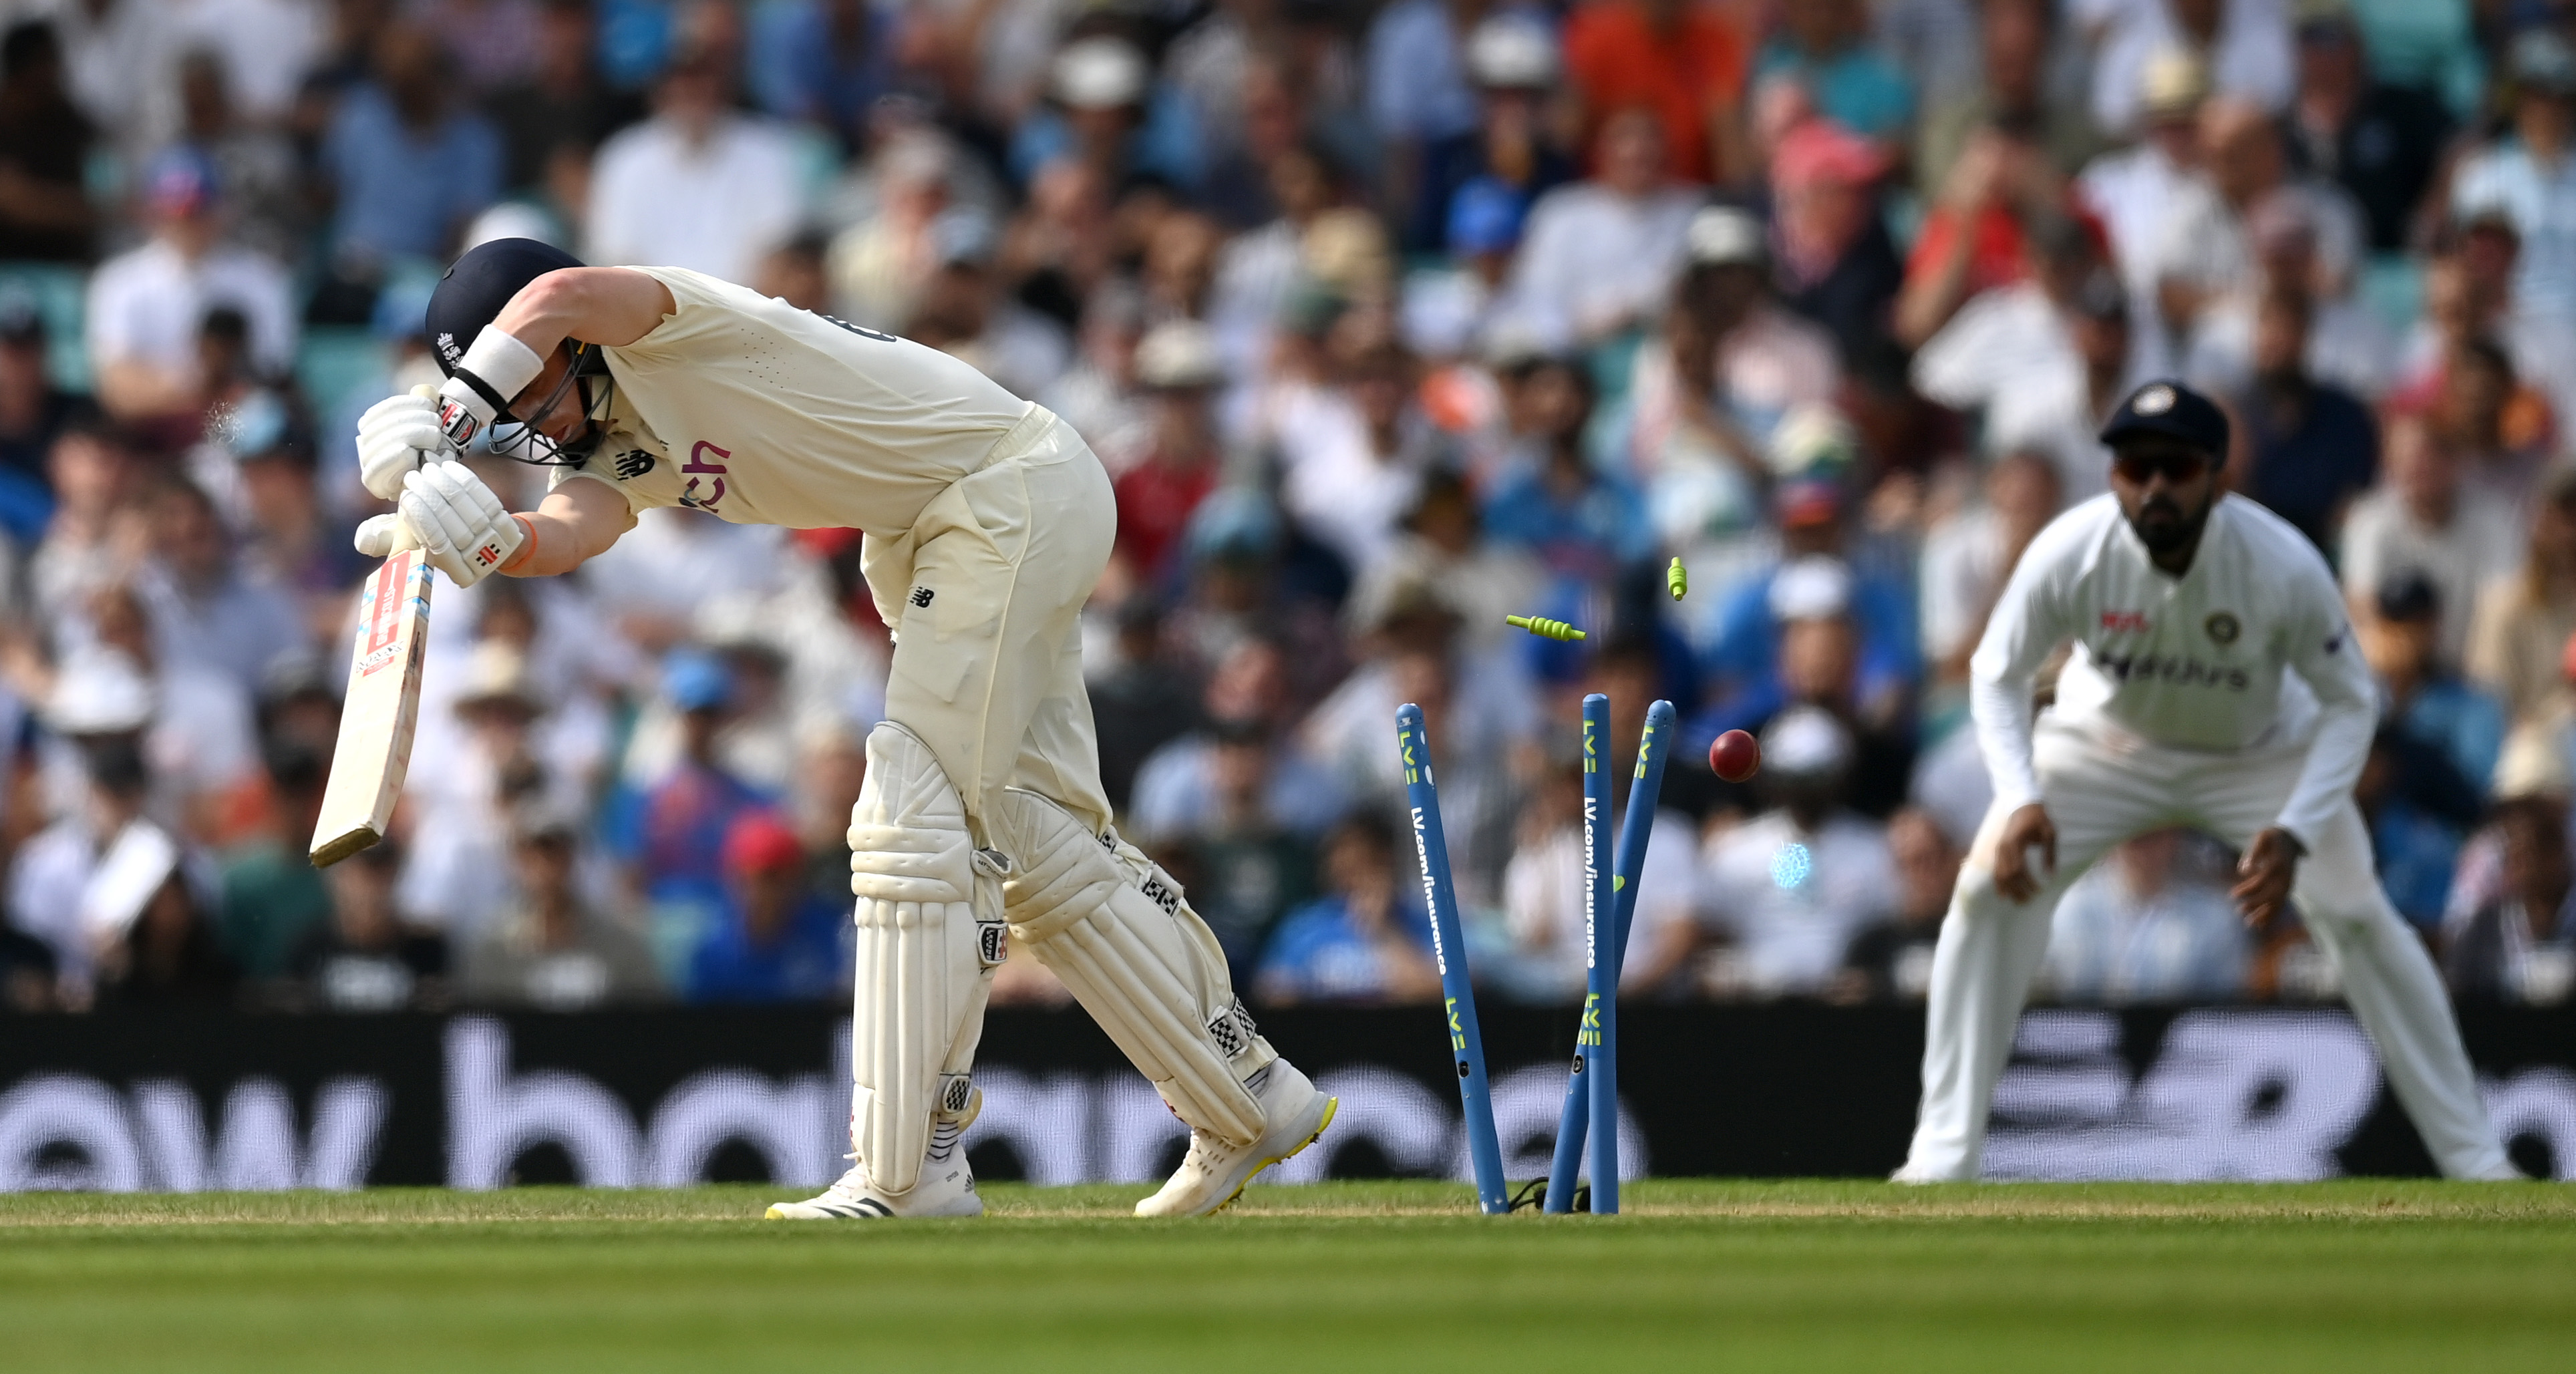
[2222, 628]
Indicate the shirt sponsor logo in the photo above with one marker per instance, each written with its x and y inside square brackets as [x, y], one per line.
[700, 462]
[2222, 627]
[2124, 622]
[2169, 668]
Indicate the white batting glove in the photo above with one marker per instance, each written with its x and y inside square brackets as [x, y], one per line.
[463, 528]
[383, 536]
[397, 435]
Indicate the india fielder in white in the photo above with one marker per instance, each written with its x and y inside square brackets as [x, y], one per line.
[987, 521]
[2213, 683]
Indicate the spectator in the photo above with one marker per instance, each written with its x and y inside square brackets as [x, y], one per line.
[146, 307]
[549, 949]
[1823, 46]
[2426, 698]
[1354, 467]
[1508, 147]
[834, 62]
[206, 609]
[34, 413]
[963, 310]
[1583, 526]
[27, 974]
[2015, 101]
[2150, 926]
[1248, 855]
[2243, 44]
[158, 944]
[2524, 619]
[1138, 702]
[1419, 63]
[878, 264]
[255, 162]
[54, 893]
[1832, 258]
[199, 736]
[689, 811]
[1967, 558]
[1793, 886]
[1729, 365]
[1360, 943]
[2425, 518]
[2479, 409]
[779, 940]
[1812, 579]
[2042, 360]
[365, 957]
[2379, 141]
[2343, 341]
[1681, 59]
[2521, 947]
[1598, 255]
[2205, 247]
[273, 901]
[2470, 297]
[1543, 894]
[2523, 178]
[1182, 789]
[93, 474]
[2314, 446]
[45, 142]
[1444, 547]
[2420, 810]
[1177, 365]
[1111, 115]
[2131, 189]
[563, 99]
[408, 168]
[698, 185]
[1892, 960]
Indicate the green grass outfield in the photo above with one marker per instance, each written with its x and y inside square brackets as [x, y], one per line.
[1351, 1276]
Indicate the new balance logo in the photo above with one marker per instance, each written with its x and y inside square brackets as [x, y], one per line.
[921, 596]
[633, 463]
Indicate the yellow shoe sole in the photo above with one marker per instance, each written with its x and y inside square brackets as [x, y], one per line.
[1331, 1106]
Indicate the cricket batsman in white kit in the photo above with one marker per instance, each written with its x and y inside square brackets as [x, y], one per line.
[2213, 683]
[987, 520]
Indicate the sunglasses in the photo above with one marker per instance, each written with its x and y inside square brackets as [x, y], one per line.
[2178, 466]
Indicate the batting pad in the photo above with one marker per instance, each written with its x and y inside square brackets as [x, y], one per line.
[1113, 926]
[925, 955]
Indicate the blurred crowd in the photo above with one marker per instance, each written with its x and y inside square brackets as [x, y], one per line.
[1388, 319]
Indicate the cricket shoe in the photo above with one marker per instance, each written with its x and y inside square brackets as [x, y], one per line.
[946, 1187]
[1214, 1172]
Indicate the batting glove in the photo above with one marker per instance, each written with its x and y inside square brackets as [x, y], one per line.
[383, 536]
[462, 526]
[397, 435]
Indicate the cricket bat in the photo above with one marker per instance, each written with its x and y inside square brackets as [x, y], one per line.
[380, 712]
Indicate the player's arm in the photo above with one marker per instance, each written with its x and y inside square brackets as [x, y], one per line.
[2323, 654]
[576, 522]
[612, 306]
[2028, 624]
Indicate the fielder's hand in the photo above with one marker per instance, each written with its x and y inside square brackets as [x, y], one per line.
[2265, 875]
[383, 536]
[462, 526]
[397, 435]
[2023, 829]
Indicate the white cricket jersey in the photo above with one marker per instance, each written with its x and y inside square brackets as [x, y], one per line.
[752, 410]
[2195, 662]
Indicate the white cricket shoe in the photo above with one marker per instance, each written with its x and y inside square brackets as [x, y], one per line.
[1214, 1172]
[946, 1187]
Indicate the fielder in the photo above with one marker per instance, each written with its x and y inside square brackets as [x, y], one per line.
[2185, 606]
[987, 520]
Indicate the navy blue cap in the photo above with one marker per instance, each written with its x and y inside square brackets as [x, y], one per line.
[2169, 410]
[478, 285]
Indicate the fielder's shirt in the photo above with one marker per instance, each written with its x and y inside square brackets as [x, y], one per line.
[2249, 649]
[759, 413]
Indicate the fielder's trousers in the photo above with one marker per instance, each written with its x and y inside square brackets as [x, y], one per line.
[2102, 786]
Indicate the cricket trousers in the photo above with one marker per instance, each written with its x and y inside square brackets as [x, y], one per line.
[2102, 786]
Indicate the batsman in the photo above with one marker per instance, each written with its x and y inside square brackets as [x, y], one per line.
[987, 520]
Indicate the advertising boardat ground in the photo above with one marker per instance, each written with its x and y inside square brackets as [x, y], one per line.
[672, 1098]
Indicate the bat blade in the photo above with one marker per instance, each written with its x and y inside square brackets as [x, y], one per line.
[381, 711]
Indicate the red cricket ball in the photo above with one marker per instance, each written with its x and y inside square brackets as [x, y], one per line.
[1736, 756]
